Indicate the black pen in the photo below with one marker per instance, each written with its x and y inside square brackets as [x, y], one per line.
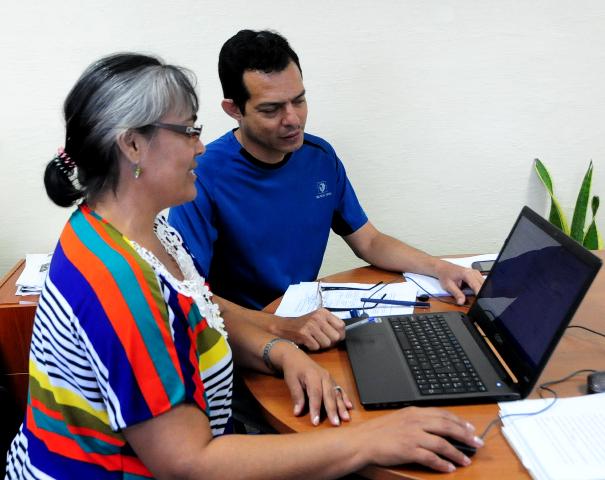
[403, 303]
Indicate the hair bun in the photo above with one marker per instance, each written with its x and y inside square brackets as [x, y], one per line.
[60, 179]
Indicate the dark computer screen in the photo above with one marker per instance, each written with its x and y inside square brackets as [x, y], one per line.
[531, 290]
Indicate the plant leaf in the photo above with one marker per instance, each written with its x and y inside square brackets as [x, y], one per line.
[593, 240]
[579, 214]
[556, 216]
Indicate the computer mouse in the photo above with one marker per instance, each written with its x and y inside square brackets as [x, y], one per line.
[596, 382]
[468, 450]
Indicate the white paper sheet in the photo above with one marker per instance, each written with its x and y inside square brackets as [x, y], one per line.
[431, 285]
[32, 278]
[303, 298]
[565, 442]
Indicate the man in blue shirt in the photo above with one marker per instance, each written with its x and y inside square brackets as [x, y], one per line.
[269, 193]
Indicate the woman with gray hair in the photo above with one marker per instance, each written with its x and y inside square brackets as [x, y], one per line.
[131, 363]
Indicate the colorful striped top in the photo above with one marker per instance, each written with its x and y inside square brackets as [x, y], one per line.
[114, 343]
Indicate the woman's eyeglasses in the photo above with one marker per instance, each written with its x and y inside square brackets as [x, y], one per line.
[377, 302]
[354, 311]
[191, 132]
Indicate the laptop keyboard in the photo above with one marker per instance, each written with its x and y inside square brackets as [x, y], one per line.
[436, 359]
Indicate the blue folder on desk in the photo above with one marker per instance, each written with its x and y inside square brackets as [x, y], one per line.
[498, 350]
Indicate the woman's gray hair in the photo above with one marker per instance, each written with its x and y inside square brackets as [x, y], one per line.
[116, 94]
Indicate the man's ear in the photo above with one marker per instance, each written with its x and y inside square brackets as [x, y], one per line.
[129, 144]
[231, 109]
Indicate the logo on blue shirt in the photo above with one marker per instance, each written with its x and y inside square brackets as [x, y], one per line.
[322, 189]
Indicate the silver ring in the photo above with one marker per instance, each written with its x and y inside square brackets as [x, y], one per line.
[338, 388]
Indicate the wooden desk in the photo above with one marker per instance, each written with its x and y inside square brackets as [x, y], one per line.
[16, 321]
[578, 349]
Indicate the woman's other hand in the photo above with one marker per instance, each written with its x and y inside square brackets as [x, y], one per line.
[304, 376]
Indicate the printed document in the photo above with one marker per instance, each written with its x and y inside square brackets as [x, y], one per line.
[32, 278]
[304, 298]
[565, 442]
[431, 285]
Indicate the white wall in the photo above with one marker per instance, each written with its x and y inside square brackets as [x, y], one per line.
[436, 108]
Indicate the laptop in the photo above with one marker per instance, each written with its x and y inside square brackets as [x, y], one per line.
[496, 351]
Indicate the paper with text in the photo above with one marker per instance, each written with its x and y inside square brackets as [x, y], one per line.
[304, 298]
[566, 441]
[431, 285]
[32, 278]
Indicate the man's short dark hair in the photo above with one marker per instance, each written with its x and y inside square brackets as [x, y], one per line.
[265, 51]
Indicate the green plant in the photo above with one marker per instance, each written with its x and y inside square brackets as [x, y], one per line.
[588, 237]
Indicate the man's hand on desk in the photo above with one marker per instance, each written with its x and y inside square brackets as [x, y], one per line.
[303, 376]
[452, 276]
[316, 330]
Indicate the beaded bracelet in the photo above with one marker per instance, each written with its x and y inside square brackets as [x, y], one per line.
[268, 348]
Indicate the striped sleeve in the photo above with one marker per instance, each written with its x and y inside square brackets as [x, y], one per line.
[113, 344]
[122, 316]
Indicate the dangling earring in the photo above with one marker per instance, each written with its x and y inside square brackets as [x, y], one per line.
[137, 171]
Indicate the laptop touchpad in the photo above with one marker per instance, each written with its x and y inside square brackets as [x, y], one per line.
[378, 367]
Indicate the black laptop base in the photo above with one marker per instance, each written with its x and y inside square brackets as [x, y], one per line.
[388, 381]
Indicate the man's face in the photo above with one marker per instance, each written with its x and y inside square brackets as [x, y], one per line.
[276, 112]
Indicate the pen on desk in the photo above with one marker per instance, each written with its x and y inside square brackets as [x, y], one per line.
[403, 303]
[363, 322]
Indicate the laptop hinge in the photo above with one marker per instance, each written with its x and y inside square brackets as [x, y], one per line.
[492, 354]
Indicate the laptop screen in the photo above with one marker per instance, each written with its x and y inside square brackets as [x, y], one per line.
[532, 292]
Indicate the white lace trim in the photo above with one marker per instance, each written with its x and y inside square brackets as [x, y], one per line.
[193, 285]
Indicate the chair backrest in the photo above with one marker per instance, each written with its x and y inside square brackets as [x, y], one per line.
[16, 323]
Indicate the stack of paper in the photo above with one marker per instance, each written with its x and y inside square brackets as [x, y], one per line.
[565, 442]
[432, 286]
[32, 277]
[304, 298]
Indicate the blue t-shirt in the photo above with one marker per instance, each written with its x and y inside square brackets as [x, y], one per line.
[256, 228]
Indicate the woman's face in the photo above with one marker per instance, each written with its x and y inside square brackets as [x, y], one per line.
[167, 165]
